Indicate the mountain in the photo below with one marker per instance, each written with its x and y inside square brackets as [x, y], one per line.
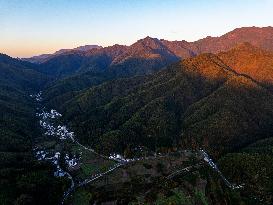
[62, 65]
[258, 36]
[181, 49]
[252, 61]
[75, 62]
[147, 55]
[143, 57]
[5, 59]
[177, 106]
[80, 48]
[38, 59]
[45, 57]
[18, 167]
[213, 102]
[20, 75]
[155, 94]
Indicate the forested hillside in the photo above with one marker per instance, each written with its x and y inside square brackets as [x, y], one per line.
[22, 179]
[79, 70]
[180, 106]
[154, 98]
[215, 102]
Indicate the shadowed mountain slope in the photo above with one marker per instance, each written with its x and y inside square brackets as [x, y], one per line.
[19, 74]
[150, 54]
[220, 102]
[21, 177]
[145, 56]
[197, 102]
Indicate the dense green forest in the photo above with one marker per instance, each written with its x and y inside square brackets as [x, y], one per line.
[120, 98]
[22, 179]
[198, 102]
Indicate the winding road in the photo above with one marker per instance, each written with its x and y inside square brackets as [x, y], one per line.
[63, 133]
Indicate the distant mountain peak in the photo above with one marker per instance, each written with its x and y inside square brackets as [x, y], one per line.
[149, 47]
[148, 43]
[44, 57]
[148, 40]
[80, 48]
[250, 32]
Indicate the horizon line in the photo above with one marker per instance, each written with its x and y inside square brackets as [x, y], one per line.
[130, 44]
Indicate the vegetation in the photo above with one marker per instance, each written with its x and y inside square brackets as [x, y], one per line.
[22, 179]
[173, 108]
[252, 167]
[217, 102]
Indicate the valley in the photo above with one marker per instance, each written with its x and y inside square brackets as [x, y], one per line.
[155, 122]
[71, 159]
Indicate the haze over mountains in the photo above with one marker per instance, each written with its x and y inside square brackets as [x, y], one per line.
[214, 94]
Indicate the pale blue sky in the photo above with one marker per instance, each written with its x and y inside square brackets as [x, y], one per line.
[32, 27]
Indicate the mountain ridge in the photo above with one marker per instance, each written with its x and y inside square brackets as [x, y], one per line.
[149, 54]
[156, 95]
[45, 57]
[253, 35]
[203, 79]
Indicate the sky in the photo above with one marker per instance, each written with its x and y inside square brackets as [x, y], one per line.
[33, 27]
